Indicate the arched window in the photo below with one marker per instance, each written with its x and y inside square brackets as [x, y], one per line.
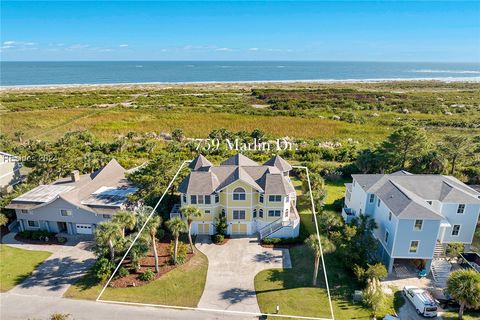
[254, 213]
[239, 194]
[260, 213]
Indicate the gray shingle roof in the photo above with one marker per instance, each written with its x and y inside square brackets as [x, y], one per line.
[84, 193]
[406, 194]
[239, 160]
[199, 163]
[279, 163]
[263, 178]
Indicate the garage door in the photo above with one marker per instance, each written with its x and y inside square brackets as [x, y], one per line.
[239, 228]
[84, 228]
[203, 228]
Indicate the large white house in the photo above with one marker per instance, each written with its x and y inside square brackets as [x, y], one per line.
[417, 215]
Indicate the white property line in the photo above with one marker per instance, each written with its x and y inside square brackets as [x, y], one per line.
[206, 309]
[319, 241]
[141, 229]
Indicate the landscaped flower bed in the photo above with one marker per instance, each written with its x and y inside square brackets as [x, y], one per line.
[39, 237]
[134, 277]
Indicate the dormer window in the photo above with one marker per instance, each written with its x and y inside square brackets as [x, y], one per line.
[239, 194]
[461, 208]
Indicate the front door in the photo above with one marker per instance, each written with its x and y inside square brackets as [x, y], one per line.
[62, 227]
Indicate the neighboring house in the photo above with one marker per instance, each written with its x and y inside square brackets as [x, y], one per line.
[417, 215]
[74, 205]
[9, 171]
[254, 198]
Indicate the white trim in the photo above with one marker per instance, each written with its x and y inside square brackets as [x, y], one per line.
[410, 246]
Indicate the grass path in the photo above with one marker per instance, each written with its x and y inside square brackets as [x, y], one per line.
[17, 264]
[182, 286]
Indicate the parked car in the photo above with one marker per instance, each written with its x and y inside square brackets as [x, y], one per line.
[421, 300]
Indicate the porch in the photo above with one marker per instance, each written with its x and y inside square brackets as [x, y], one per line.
[348, 214]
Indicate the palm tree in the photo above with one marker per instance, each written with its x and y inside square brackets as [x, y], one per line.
[125, 219]
[107, 233]
[3, 220]
[190, 212]
[464, 286]
[152, 228]
[313, 244]
[176, 226]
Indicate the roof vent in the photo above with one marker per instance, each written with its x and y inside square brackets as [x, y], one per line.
[75, 175]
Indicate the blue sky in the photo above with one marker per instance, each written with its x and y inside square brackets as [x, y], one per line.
[241, 30]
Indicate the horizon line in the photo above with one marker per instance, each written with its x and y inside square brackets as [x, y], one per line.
[245, 60]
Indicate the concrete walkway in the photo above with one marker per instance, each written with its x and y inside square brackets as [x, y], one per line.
[65, 266]
[20, 307]
[231, 271]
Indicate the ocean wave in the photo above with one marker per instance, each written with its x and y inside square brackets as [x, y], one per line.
[446, 71]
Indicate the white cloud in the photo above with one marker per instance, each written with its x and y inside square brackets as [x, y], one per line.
[223, 49]
[7, 43]
[253, 49]
[123, 45]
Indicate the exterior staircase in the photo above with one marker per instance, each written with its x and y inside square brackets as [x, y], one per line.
[440, 270]
[271, 228]
[439, 251]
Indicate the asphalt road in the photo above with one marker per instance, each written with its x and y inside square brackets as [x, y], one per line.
[21, 307]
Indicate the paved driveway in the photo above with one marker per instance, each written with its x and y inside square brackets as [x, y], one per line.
[231, 271]
[65, 266]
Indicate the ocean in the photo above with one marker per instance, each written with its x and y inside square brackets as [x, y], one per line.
[115, 72]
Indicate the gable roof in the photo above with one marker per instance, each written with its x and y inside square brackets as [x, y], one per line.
[199, 163]
[263, 178]
[106, 187]
[279, 163]
[406, 194]
[239, 160]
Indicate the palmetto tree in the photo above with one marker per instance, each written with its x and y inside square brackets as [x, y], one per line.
[152, 227]
[313, 244]
[464, 286]
[190, 212]
[3, 219]
[125, 219]
[176, 226]
[106, 234]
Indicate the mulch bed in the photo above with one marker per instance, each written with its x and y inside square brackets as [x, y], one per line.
[225, 240]
[280, 246]
[52, 240]
[148, 262]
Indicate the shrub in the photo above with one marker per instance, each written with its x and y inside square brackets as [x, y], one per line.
[102, 269]
[281, 240]
[374, 271]
[221, 225]
[147, 275]
[123, 272]
[218, 238]
[61, 239]
[60, 316]
[160, 234]
[181, 251]
[454, 249]
[338, 204]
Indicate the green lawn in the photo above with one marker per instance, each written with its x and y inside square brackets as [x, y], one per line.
[468, 315]
[292, 289]
[18, 264]
[182, 286]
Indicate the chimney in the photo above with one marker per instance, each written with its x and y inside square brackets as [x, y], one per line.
[75, 175]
